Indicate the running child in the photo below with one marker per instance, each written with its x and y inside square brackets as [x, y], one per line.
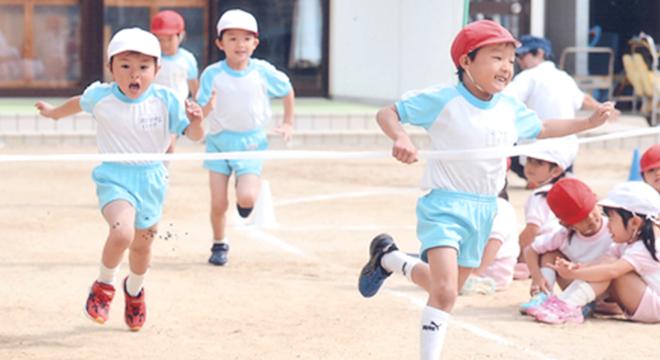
[543, 166]
[650, 166]
[178, 69]
[455, 217]
[133, 116]
[583, 239]
[631, 277]
[243, 87]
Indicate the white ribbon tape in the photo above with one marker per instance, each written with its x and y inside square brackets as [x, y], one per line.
[472, 154]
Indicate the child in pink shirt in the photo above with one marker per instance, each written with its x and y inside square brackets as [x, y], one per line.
[583, 239]
[632, 276]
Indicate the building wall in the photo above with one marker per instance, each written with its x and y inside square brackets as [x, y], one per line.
[380, 49]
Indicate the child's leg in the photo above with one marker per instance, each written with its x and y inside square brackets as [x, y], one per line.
[139, 259]
[444, 284]
[628, 291]
[247, 191]
[120, 216]
[219, 203]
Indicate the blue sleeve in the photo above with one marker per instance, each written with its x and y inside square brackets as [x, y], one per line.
[528, 124]
[277, 83]
[421, 108]
[206, 84]
[93, 94]
[192, 66]
[176, 111]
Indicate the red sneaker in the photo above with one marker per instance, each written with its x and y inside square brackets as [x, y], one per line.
[135, 312]
[98, 301]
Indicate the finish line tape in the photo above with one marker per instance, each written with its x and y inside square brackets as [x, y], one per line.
[472, 154]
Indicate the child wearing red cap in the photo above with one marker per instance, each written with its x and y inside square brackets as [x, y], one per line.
[455, 217]
[650, 166]
[631, 273]
[583, 239]
[543, 166]
[178, 70]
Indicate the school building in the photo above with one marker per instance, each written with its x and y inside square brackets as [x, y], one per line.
[370, 50]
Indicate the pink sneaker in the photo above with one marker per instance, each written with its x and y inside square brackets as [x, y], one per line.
[556, 311]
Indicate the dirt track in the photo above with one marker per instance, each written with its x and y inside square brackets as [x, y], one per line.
[287, 293]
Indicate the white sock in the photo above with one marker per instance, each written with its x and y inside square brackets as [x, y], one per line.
[400, 263]
[578, 293]
[221, 241]
[107, 275]
[550, 277]
[134, 283]
[432, 333]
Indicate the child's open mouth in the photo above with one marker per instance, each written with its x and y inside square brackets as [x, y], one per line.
[134, 86]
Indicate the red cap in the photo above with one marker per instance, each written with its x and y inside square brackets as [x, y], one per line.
[167, 22]
[651, 158]
[571, 200]
[478, 34]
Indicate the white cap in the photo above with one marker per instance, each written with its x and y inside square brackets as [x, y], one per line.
[134, 39]
[635, 196]
[561, 151]
[237, 19]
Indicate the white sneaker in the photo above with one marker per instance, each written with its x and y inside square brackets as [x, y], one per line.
[478, 285]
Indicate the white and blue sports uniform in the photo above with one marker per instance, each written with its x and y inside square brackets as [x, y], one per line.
[175, 72]
[458, 211]
[242, 111]
[128, 126]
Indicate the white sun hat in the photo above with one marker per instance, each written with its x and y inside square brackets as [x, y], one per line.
[635, 196]
[237, 19]
[561, 151]
[134, 39]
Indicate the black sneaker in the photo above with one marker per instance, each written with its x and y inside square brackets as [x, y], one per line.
[219, 254]
[373, 274]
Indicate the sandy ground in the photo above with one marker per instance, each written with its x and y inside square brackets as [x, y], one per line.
[287, 293]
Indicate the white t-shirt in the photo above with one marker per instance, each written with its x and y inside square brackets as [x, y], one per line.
[242, 97]
[551, 92]
[457, 120]
[578, 248]
[176, 70]
[142, 125]
[505, 229]
[538, 212]
[640, 258]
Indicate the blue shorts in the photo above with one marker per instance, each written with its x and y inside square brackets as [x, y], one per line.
[228, 141]
[455, 219]
[143, 186]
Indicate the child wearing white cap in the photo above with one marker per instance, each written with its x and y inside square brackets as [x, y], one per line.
[133, 116]
[544, 163]
[243, 87]
[631, 276]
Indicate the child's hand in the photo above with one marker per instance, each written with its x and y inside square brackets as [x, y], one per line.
[564, 268]
[604, 112]
[404, 150]
[45, 109]
[286, 130]
[194, 111]
[539, 285]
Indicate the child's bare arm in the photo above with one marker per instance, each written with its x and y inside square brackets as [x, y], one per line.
[557, 128]
[538, 281]
[195, 130]
[594, 273]
[70, 107]
[193, 85]
[527, 235]
[403, 149]
[206, 109]
[286, 128]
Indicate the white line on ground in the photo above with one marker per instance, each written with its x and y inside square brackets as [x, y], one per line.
[420, 303]
[264, 236]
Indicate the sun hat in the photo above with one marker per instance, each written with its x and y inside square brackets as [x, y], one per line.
[167, 22]
[635, 196]
[650, 158]
[478, 34]
[237, 19]
[561, 151]
[134, 39]
[571, 200]
[529, 43]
